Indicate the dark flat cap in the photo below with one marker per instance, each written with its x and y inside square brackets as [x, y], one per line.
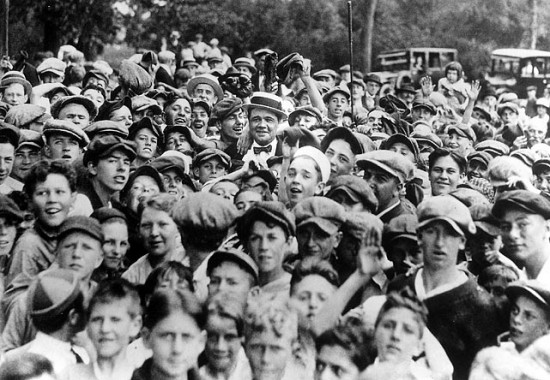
[224, 108]
[358, 223]
[401, 138]
[447, 209]
[94, 74]
[210, 153]
[9, 209]
[145, 123]
[52, 293]
[141, 103]
[342, 133]
[233, 255]
[469, 196]
[10, 132]
[204, 211]
[108, 108]
[402, 226]
[424, 103]
[527, 201]
[265, 175]
[84, 224]
[105, 145]
[372, 78]
[427, 138]
[493, 147]
[463, 131]
[481, 156]
[321, 211]
[164, 163]
[325, 73]
[144, 170]
[484, 219]
[267, 212]
[103, 214]
[106, 127]
[540, 166]
[286, 63]
[74, 99]
[336, 90]
[356, 188]
[390, 162]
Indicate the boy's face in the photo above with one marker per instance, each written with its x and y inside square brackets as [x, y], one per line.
[398, 335]
[372, 88]
[63, 147]
[269, 354]
[115, 244]
[440, 245]
[52, 200]
[229, 277]
[7, 156]
[80, 253]
[112, 172]
[337, 104]
[210, 169]
[25, 157]
[199, 121]
[302, 180]
[310, 294]
[225, 189]
[267, 246]
[222, 343]
[341, 157]
[543, 181]
[404, 254]
[528, 322]
[232, 126]
[14, 94]
[314, 242]
[334, 363]
[158, 231]
[111, 327]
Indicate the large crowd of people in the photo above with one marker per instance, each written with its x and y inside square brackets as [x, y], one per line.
[191, 215]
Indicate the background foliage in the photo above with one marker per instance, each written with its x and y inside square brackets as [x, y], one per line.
[315, 28]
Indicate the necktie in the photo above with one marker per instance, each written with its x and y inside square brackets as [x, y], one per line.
[77, 356]
[260, 149]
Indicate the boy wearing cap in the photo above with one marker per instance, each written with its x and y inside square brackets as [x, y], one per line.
[177, 111]
[341, 148]
[108, 161]
[529, 314]
[525, 231]
[231, 271]
[64, 140]
[51, 70]
[9, 140]
[78, 109]
[210, 164]
[424, 110]
[401, 243]
[267, 230]
[461, 139]
[541, 170]
[56, 308]
[14, 88]
[26, 154]
[200, 113]
[353, 193]
[454, 300]
[336, 103]
[386, 173]
[173, 170]
[318, 223]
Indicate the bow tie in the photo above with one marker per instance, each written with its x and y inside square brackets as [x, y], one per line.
[260, 149]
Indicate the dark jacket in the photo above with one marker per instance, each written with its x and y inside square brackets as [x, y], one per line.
[145, 372]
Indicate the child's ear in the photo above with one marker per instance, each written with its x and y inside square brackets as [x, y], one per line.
[92, 169]
[135, 326]
[319, 188]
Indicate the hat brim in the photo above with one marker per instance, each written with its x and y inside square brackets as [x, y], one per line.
[252, 69]
[81, 140]
[249, 107]
[221, 256]
[364, 163]
[325, 225]
[23, 82]
[120, 146]
[53, 71]
[194, 82]
[343, 134]
[488, 228]
[454, 225]
[513, 291]
[346, 190]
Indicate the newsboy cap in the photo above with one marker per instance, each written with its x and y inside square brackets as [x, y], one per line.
[204, 211]
[525, 200]
[24, 114]
[359, 223]
[235, 256]
[134, 77]
[493, 147]
[74, 99]
[390, 162]
[402, 226]
[106, 127]
[10, 132]
[321, 211]
[29, 138]
[463, 131]
[105, 145]
[267, 212]
[51, 293]
[65, 127]
[541, 166]
[52, 65]
[84, 224]
[9, 209]
[448, 209]
[210, 153]
[532, 289]
[356, 188]
[225, 108]
[104, 214]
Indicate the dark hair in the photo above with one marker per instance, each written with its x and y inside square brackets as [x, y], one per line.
[161, 202]
[354, 339]
[162, 271]
[165, 302]
[25, 366]
[39, 173]
[227, 305]
[54, 323]
[313, 266]
[454, 66]
[442, 152]
[496, 272]
[113, 290]
[95, 87]
[405, 298]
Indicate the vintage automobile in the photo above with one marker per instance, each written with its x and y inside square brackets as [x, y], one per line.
[516, 69]
[397, 67]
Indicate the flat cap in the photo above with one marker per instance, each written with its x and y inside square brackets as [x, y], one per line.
[267, 212]
[105, 145]
[424, 103]
[401, 138]
[486, 115]
[24, 114]
[402, 226]
[225, 108]
[508, 106]
[305, 110]
[74, 99]
[235, 256]
[356, 188]
[164, 163]
[52, 293]
[463, 131]
[95, 74]
[10, 132]
[527, 156]
[405, 87]
[210, 153]
[327, 73]
[427, 138]
[106, 127]
[28, 138]
[447, 209]
[52, 65]
[480, 156]
[208, 79]
[325, 213]
[9, 209]
[265, 175]
[319, 157]
[484, 219]
[134, 77]
[372, 78]
[65, 127]
[532, 289]
[390, 162]
[145, 123]
[527, 201]
[357, 224]
[204, 211]
[342, 133]
[84, 224]
[143, 170]
[141, 103]
[469, 196]
[493, 147]
[540, 166]
[301, 134]
[336, 90]
[103, 214]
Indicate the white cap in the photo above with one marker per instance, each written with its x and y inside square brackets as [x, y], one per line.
[319, 157]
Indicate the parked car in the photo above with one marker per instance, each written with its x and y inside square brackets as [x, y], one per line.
[516, 69]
